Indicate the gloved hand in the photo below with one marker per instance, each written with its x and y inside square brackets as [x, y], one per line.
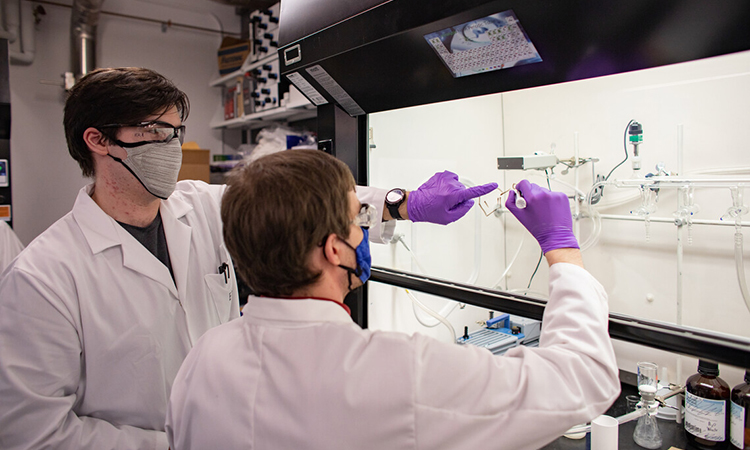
[546, 216]
[443, 199]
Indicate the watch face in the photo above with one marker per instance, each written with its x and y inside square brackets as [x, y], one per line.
[394, 196]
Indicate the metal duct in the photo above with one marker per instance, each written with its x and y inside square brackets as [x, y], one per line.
[83, 22]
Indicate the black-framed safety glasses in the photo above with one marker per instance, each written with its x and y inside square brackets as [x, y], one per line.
[154, 132]
[366, 217]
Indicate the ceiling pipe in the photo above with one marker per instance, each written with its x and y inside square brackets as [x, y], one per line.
[10, 20]
[27, 44]
[83, 22]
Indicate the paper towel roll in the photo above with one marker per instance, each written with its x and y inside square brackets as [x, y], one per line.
[604, 433]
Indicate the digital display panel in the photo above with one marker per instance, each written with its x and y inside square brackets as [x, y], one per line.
[491, 43]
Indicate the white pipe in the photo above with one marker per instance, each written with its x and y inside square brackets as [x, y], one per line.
[577, 225]
[577, 191]
[680, 147]
[12, 18]
[678, 300]
[477, 237]
[668, 220]
[593, 237]
[596, 231]
[723, 170]
[28, 42]
[737, 200]
[507, 268]
[433, 314]
[5, 20]
[450, 306]
[738, 250]
[675, 182]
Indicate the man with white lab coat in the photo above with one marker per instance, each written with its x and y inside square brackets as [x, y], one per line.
[295, 372]
[98, 312]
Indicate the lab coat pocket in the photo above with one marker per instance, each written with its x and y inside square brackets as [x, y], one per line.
[220, 290]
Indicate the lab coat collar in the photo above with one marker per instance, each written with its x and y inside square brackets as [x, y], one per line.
[306, 310]
[102, 232]
[178, 235]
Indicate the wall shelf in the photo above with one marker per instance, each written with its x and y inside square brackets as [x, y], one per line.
[246, 67]
[256, 88]
[263, 118]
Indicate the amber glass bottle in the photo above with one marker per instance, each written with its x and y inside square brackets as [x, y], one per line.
[707, 408]
[739, 434]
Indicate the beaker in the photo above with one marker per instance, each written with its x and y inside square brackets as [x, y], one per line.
[647, 378]
[631, 402]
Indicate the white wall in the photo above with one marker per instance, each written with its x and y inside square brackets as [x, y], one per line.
[705, 99]
[45, 179]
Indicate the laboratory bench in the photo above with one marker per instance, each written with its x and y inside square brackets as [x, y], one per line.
[673, 433]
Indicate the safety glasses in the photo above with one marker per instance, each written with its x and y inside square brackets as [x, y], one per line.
[367, 216]
[149, 133]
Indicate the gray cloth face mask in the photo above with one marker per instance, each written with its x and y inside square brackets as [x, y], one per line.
[155, 165]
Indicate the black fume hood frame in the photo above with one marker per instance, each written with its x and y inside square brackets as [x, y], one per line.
[374, 57]
[376, 50]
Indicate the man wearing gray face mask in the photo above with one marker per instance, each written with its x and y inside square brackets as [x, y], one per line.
[98, 313]
[101, 310]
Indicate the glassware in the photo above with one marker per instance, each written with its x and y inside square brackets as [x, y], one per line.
[649, 197]
[647, 434]
[632, 402]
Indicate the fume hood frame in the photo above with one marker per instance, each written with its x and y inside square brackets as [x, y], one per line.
[722, 348]
[355, 58]
[373, 55]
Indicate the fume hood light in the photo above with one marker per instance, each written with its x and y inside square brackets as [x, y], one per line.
[538, 162]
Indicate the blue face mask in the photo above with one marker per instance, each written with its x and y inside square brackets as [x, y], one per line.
[364, 262]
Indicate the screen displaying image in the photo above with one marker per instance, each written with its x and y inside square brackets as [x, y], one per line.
[491, 43]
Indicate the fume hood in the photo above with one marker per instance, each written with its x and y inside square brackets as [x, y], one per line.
[352, 59]
[376, 55]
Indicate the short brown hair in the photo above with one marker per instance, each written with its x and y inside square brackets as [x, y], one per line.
[125, 95]
[277, 210]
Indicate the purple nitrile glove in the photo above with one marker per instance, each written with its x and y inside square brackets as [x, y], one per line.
[546, 216]
[443, 199]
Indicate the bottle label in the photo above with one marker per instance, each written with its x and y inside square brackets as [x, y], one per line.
[705, 418]
[737, 425]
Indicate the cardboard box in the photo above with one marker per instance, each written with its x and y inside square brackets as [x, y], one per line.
[195, 163]
[232, 54]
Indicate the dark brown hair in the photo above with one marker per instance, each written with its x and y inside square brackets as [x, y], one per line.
[277, 210]
[125, 95]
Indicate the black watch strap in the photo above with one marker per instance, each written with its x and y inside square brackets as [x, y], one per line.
[394, 204]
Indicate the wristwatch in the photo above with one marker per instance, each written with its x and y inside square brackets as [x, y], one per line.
[393, 200]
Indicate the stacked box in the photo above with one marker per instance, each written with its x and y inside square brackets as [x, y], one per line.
[232, 54]
[264, 28]
[266, 93]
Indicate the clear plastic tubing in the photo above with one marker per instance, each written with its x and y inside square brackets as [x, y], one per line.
[739, 261]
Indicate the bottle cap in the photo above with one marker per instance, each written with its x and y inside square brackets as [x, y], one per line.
[708, 368]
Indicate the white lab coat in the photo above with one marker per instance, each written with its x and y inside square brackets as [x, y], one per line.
[299, 374]
[10, 245]
[93, 329]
